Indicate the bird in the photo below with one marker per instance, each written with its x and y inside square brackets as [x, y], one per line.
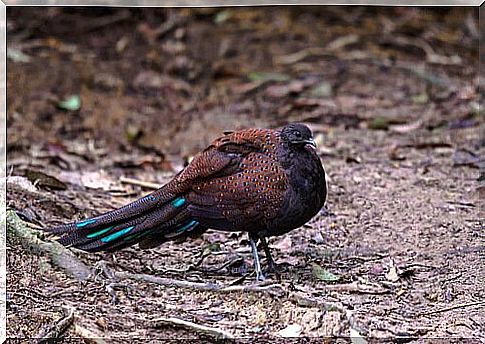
[264, 182]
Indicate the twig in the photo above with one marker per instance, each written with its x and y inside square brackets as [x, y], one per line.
[255, 288]
[452, 278]
[95, 24]
[331, 48]
[356, 288]
[223, 266]
[56, 330]
[141, 183]
[213, 332]
[303, 300]
[188, 268]
[462, 305]
[465, 204]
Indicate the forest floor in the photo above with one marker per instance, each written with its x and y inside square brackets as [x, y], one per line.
[96, 96]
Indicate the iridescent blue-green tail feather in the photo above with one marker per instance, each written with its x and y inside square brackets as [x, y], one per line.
[147, 221]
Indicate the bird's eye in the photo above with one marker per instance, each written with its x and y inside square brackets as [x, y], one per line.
[297, 134]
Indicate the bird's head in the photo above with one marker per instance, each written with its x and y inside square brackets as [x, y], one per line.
[298, 135]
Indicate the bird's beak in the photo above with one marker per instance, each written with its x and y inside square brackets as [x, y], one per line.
[311, 142]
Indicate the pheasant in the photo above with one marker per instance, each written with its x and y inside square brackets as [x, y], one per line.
[260, 181]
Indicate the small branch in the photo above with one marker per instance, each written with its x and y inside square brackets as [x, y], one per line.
[255, 288]
[356, 288]
[96, 24]
[462, 305]
[303, 300]
[167, 281]
[213, 332]
[141, 183]
[56, 330]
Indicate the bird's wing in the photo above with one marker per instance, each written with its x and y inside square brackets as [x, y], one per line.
[220, 157]
[243, 199]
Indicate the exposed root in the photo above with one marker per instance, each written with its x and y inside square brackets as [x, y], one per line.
[273, 289]
[59, 255]
[213, 332]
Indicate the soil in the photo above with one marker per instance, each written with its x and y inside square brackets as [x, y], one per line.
[391, 95]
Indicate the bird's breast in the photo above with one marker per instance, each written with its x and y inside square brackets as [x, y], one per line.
[305, 195]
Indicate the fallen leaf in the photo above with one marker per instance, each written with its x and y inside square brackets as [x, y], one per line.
[72, 103]
[406, 128]
[101, 322]
[133, 132]
[283, 244]
[422, 98]
[379, 123]
[150, 79]
[326, 103]
[214, 247]
[354, 159]
[322, 90]
[21, 182]
[356, 337]
[323, 274]
[342, 42]
[392, 274]
[318, 238]
[267, 76]
[222, 16]
[91, 180]
[289, 260]
[280, 91]
[247, 87]
[17, 55]
[465, 157]
[393, 153]
[42, 179]
[293, 330]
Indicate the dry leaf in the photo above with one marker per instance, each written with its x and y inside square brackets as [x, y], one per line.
[43, 179]
[392, 274]
[406, 128]
[293, 330]
[283, 244]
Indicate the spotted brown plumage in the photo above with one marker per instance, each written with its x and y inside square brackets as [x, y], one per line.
[265, 182]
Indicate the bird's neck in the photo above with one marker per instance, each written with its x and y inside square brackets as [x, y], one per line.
[305, 170]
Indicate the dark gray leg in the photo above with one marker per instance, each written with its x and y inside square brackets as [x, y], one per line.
[257, 264]
[267, 252]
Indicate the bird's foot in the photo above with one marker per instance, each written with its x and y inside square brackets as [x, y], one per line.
[260, 276]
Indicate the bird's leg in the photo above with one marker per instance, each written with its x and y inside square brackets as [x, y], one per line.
[257, 264]
[267, 252]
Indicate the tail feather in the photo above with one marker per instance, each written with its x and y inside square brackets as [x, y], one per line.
[142, 205]
[146, 217]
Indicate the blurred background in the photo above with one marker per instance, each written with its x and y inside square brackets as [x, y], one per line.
[99, 95]
[172, 79]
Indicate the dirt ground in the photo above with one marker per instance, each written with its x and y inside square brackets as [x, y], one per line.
[392, 97]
